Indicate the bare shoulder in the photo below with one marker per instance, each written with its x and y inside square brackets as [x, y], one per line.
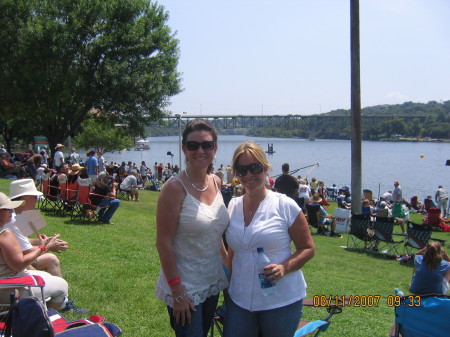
[217, 180]
[172, 190]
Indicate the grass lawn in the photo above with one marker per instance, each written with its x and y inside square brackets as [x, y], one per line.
[112, 270]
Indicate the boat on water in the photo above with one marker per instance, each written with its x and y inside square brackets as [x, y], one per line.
[270, 149]
[142, 145]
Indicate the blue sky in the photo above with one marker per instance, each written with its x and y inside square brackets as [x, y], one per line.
[293, 56]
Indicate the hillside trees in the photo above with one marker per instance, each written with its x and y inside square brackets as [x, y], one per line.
[61, 59]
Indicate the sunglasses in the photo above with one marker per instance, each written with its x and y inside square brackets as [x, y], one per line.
[194, 146]
[254, 168]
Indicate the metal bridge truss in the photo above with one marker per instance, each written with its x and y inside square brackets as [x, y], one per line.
[306, 122]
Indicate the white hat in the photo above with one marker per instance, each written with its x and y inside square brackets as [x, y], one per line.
[23, 187]
[6, 203]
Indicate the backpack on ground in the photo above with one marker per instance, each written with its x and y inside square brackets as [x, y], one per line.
[28, 318]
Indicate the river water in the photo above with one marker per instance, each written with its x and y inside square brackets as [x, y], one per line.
[418, 166]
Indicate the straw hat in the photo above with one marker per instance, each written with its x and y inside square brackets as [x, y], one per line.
[23, 187]
[316, 198]
[74, 169]
[6, 203]
[59, 146]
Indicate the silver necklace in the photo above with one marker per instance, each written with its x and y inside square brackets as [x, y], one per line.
[198, 189]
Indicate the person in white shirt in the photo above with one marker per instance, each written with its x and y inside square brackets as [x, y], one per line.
[263, 218]
[442, 200]
[101, 162]
[58, 158]
[74, 157]
[131, 186]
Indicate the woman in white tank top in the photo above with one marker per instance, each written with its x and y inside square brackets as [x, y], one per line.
[191, 219]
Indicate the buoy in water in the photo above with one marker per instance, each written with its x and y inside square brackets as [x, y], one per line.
[422, 156]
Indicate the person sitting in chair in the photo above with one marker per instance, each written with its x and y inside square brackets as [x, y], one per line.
[104, 196]
[416, 205]
[431, 270]
[13, 262]
[25, 190]
[131, 186]
[10, 167]
[383, 211]
[344, 198]
[324, 218]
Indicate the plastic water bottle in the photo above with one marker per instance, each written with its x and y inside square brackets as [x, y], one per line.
[268, 288]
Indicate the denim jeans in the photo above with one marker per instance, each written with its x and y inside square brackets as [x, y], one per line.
[279, 322]
[201, 319]
[105, 214]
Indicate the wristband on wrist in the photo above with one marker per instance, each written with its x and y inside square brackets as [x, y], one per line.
[174, 281]
[42, 248]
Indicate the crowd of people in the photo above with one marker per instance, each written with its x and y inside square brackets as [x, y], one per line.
[208, 243]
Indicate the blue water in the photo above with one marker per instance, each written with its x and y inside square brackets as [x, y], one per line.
[382, 162]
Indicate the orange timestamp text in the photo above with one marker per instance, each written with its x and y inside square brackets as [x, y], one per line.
[365, 301]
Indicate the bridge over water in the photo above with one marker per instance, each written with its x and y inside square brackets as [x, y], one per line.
[311, 123]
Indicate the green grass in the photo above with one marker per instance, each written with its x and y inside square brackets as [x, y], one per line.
[112, 270]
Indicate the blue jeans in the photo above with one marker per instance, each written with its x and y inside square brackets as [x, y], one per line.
[201, 319]
[105, 214]
[279, 322]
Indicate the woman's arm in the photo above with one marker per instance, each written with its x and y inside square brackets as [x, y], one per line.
[167, 215]
[13, 255]
[304, 244]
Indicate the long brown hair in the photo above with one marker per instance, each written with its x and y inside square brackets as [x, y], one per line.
[199, 124]
[433, 255]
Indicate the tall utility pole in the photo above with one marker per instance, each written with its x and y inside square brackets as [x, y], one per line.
[355, 107]
[178, 116]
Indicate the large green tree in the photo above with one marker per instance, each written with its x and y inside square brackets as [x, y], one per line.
[61, 59]
[101, 135]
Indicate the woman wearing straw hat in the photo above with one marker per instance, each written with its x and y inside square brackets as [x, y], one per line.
[25, 190]
[14, 263]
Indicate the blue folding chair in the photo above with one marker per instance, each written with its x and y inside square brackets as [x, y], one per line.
[422, 316]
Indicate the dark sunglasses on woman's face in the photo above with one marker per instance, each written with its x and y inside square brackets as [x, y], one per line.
[194, 146]
[254, 168]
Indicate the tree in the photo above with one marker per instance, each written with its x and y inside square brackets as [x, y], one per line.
[62, 58]
[101, 135]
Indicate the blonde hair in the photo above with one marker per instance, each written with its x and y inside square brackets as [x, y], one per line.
[433, 255]
[252, 149]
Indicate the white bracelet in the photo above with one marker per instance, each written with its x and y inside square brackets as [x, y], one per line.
[178, 299]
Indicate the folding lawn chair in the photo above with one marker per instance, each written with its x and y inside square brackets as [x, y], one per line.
[384, 241]
[84, 209]
[25, 282]
[315, 328]
[26, 316]
[360, 231]
[331, 194]
[433, 218]
[422, 316]
[121, 194]
[313, 215]
[49, 200]
[68, 196]
[417, 237]
[304, 328]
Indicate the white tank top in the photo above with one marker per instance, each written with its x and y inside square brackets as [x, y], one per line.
[196, 244]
